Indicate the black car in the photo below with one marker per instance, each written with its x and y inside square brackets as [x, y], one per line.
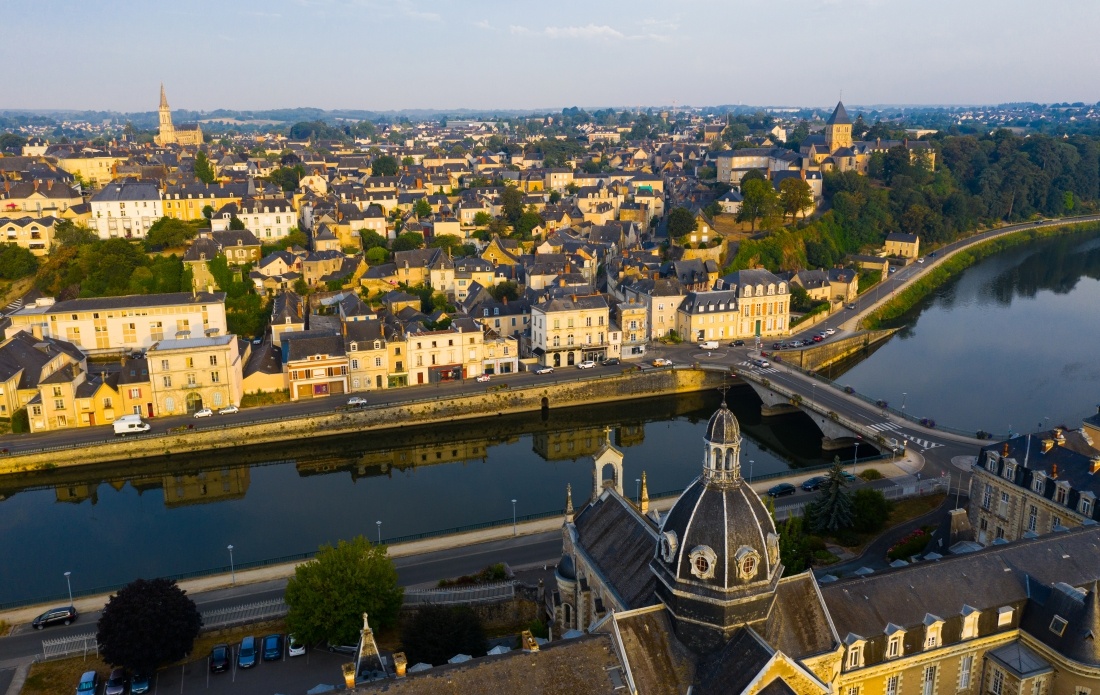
[610, 361]
[273, 647]
[116, 683]
[220, 656]
[55, 616]
[813, 483]
[781, 489]
[738, 343]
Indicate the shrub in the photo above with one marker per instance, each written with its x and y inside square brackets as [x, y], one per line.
[909, 545]
[871, 474]
[870, 510]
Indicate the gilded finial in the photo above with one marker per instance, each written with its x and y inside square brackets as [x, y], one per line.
[568, 502]
[643, 498]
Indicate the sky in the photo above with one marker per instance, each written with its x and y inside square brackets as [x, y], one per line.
[514, 54]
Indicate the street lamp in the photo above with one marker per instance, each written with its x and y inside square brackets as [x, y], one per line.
[638, 497]
[514, 533]
[855, 457]
[70, 585]
[379, 524]
[232, 567]
[750, 470]
[813, 393]
[903, 395]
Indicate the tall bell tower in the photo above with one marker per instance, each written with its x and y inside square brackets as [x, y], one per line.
[167, 132]
[838, 129]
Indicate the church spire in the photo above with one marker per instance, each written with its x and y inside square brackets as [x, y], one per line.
[163, 97]
[643, 498]
[568, 502]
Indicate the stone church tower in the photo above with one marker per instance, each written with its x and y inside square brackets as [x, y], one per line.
[186, 134]
[838, 129]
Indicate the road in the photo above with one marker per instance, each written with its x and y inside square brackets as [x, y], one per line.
[412, 571]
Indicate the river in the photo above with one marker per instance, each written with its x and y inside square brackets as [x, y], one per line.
[1012, 341]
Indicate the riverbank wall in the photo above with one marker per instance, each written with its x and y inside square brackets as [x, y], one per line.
[497, 399]
[890, 310]
[830, 352]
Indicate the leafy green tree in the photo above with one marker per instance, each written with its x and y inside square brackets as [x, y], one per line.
[527, 222]
[555, 196]
[482, 218]
[446, 241]
[407, 241]
[794, 546]
[301, 287]
[11, 141]
[795, 195]
[870, 510]
[236, 223]
[16, 262]
[294, 237]
[512, 203]
[208, 211]
[437, 633]
[422, 208]
[680, 222]
[147, 624]
[504, 290]
[713, 209]
[758, 201]
[204, 170]
[288, 178]
[407, 161]
[67, 233]
[377, 255]
[832, 510]
[328, 595]
[752, 175]
[385, 165]
[372, 239]
[168, 232]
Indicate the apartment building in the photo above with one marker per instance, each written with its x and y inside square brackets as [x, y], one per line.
[189, 374]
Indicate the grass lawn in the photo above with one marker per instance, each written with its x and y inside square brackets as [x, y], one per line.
[903, 510]
[62, 675]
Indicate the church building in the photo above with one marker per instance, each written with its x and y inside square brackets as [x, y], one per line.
[186, 135]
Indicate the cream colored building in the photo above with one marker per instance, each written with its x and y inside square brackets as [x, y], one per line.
[570, 330]
[104, 325]
[902, 245]
[32, 233]
[763, 302]
[37, 198]
[189, 374]
[451, 354]
[94, 169]
[126, 209]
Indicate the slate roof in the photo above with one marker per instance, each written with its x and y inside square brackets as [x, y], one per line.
[127, 190]
[127, 302]
[799, 625]
[659, 663]
[266, 358]
[621, 543]
[1019, 660]
[735, 666]
[134, 372]
[596, 301]
[1079, 610]
[902, 237]
[301, 345]
[839, 116]
[27, 354]
[699, 302]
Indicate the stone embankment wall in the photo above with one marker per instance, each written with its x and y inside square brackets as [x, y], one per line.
[497, 399]
[832, 351]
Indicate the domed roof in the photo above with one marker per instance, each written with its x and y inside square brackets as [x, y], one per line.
[723, 427]
[566, 569]
[719, 535]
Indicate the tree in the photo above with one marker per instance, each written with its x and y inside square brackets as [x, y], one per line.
[11, 141]
[752, 175]
[870, 510]
[372, 239]
[438, 633]
[288, 178]
[555, 196]
[385, 165]
[377, 255]
[67, 233]
[794, 546]
[512, 202]
[204, 170]
[328, 595]
[446, 241]
[168, 232]
[527, 222]
[680, 222]
[408, 241]
[301, 287]
[504, 290]
[422, 208]
[713, 209]
[482, 218]
[16, 262]
[294, 237]
[236, 223]
[795, 195]
[147, 624]
[208, 211]
[832, 510]
[758, 201]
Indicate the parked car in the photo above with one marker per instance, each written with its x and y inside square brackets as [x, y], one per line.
[587, 364]
[545, 370]
[932, 255]
[830, 331]
[219, 658]
[738, 343]
[55, 616]
[204, 412]
[139, 683]
[273, 647]
[777, 346]
[343, 648]
[893, 270]
[852, 307]
[483, 378]
[246, 653]
[662, 362]
[229, 410]
[781, 489]
[920, 260]
[294, 647]
[848, 476]
[357, 401]
[610, 362]
[817, 339]
[813, 483]
[89, 683]
[116, 683]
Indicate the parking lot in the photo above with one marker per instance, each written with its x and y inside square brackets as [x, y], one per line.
[288, 676]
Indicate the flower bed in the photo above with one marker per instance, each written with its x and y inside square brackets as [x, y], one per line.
[909, 546]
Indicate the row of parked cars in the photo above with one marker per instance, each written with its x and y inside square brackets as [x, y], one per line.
[808, 485]
[118, 683]
[250, 651]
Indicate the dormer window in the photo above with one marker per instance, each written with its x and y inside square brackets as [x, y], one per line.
[933, 626]
[1009, 471]
[895, 642]
[1085, 505]
[355, 347]
[1037, 485]
[991, 463]
[1061, 493]
[970, 622]
[669, 543]
[702, 560]
[855, 655]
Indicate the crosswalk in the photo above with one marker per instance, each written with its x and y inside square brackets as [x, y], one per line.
[762, 370]
[885, 426]
[925, 444]
[922, 443]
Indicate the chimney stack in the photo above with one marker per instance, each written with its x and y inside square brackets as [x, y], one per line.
[1094, 465]
[1048, 444]
[527, 640]
[400, 663]
[1004, 449]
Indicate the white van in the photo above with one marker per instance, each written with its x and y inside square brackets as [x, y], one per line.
[708, 345]
[130, 424]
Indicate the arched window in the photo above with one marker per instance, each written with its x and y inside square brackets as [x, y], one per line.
[557, 341]
[730, 460]
[567, 613]
[716, 458]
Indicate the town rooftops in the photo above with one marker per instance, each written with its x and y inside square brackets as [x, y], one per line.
[573, 303]
[127, 190]
[124, 302]
[189, 343]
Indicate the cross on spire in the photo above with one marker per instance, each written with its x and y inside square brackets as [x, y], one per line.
[723, 389]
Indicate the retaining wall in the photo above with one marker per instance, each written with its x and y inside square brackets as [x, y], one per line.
[834, 350]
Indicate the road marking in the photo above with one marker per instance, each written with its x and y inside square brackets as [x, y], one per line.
[922, 443]
[885, 426]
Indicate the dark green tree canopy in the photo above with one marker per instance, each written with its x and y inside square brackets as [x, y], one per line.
[328, 595]
[16, 262]
[204, 170]
[147, 624]
[407, 241]
[832, 510]
[680, 222]
[385, 165]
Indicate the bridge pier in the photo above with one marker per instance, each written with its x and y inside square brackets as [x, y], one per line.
[835, 436]
[773, 403]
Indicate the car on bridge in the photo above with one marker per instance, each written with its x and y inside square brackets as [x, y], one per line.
[662, 362]
[781, 489]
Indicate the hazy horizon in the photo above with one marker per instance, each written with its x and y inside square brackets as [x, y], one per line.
[486, 55]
